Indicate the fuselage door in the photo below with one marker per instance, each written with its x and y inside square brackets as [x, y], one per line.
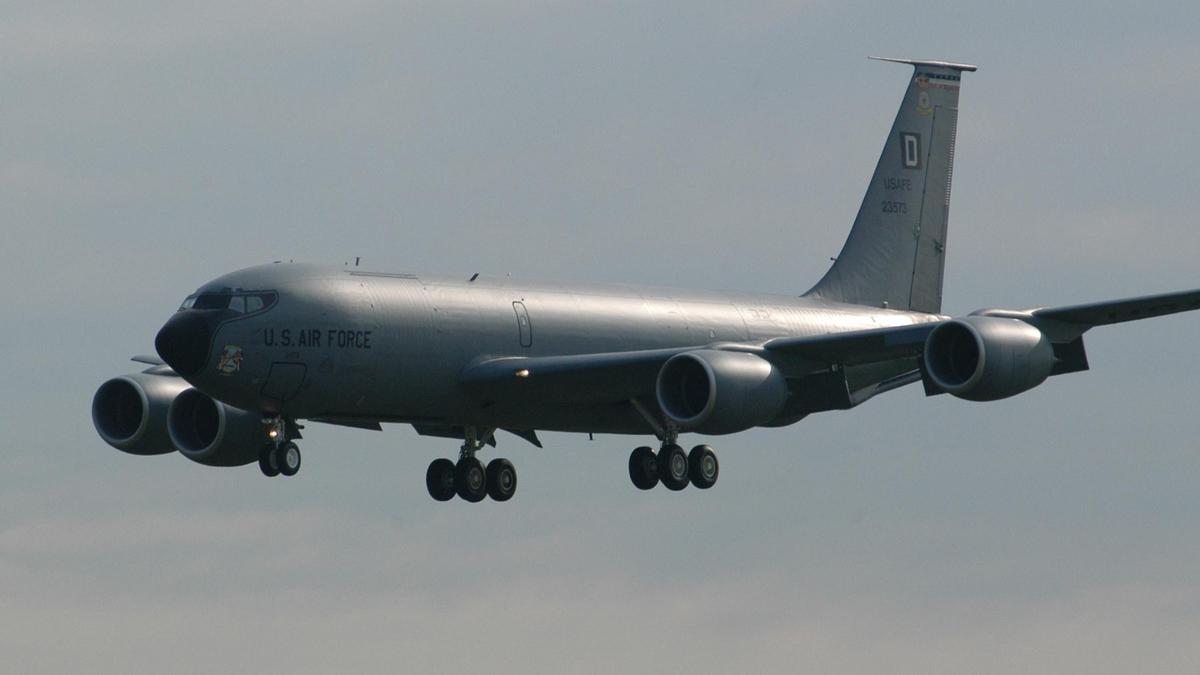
[284, 380]
[525, 330]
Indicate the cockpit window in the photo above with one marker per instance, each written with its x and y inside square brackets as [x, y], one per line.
[260, 301]
[212, 301]
[240, 303]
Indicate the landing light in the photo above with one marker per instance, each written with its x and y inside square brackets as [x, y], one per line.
[524, 372]
[274, 433]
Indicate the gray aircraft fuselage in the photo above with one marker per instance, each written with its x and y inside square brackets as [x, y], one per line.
[348, 344]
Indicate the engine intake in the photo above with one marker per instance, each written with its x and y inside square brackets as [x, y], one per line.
[717, 392]
[212, 433]
[130, 412]
[986, 358]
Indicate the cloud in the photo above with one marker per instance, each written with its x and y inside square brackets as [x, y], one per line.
[351, 593]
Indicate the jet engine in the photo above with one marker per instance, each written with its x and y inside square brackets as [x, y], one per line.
[130, 411]
[717, 392]
[986, 358]
[212, 433]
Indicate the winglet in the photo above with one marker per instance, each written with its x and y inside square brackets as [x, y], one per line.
[917, 62]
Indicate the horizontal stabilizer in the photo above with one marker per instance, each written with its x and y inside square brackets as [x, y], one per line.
[1118, 311]
[932, 64]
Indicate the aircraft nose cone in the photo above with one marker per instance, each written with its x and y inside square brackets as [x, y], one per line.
[183, 342]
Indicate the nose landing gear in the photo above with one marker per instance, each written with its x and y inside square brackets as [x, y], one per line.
[279, 456]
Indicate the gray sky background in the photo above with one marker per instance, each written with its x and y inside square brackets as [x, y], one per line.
[148, 147]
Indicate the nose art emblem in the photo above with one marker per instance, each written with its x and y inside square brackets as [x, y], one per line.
[230, 361]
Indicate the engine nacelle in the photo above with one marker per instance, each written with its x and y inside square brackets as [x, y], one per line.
[130, 412]
[212, 433]
[716, 392]
[986, 358]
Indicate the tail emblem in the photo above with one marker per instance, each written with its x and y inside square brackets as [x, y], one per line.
[924, 105]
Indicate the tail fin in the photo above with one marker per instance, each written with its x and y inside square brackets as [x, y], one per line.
[895, 254]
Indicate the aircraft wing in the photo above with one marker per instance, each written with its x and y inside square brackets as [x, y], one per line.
[856, 347]
[579, 378]
[1118, 311]
[619, 376]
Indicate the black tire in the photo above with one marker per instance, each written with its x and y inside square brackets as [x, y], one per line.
[703, 467]
[501, 479]
[673, 467]
[289, 459]
[642, 469]
[439, 479]
[470, 480]
[268, 462]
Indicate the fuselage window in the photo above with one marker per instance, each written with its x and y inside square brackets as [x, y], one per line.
[188, 302]
[238, 304]
[267, 299]
[253, 303]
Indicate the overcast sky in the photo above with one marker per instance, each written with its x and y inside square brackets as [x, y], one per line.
[148, 147]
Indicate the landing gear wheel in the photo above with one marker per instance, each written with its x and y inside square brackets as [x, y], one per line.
[673, 467]
[268, 461]
[501, 479]
[703, 467]
[642, 468]
[439, 479]
[289, 459]
[470, 481]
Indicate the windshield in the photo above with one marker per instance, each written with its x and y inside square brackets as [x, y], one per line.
[239, 303]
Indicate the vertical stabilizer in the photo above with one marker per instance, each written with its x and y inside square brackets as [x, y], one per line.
[896, 251]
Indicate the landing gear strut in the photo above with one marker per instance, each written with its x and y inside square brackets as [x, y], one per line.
[468, 478]
[279, 456]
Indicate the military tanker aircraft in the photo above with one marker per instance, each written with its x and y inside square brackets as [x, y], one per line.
[251, 353]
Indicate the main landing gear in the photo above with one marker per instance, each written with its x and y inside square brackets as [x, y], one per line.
[672, 467]
[468, 478]
[278, 456]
